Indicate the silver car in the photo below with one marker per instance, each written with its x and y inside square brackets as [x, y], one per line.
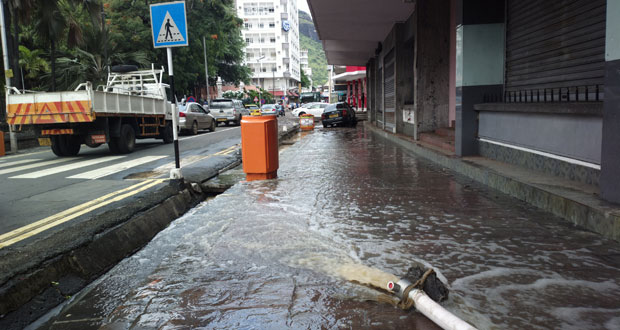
[193, 117]
[228, 111]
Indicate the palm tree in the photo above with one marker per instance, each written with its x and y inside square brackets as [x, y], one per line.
[32, 62]
[54, 18]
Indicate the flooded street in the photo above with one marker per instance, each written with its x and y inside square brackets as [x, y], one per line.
[348, 210]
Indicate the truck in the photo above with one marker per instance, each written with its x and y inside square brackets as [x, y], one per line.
[308, 97]
[132, 105]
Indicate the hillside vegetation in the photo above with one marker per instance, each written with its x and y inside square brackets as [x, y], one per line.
[309, 40]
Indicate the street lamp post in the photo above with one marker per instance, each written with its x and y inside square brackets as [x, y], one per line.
[260, 70]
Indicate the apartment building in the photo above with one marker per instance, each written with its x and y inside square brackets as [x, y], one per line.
[305, 65]
[271, 34]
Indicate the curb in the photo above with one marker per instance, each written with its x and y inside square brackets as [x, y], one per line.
[37, 285]
[592, 215]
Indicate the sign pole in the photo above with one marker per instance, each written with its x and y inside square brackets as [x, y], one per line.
[175, 114]
[7, 69]
[169, 28]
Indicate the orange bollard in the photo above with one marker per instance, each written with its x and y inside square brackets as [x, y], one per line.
[259, 147]
[306, 122]
[1, 143]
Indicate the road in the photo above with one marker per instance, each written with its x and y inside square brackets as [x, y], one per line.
[40, 186]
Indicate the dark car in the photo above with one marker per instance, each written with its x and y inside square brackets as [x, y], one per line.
[338, 114]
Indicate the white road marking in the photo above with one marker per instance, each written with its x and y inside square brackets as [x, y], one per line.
[25, 154]
[216, 131]
[30, 166]
[64, 168]
[105, 171]
[17, 162]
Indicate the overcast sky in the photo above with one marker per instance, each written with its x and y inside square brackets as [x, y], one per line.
[303, 6]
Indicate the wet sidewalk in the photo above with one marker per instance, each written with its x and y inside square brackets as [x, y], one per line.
[350, 206]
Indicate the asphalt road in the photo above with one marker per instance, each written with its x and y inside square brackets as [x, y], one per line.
[38, 186]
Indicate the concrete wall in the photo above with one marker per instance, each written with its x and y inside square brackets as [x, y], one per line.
[432, 64]
[573, 136]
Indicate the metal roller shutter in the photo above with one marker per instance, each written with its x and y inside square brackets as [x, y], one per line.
[555, 49]
[389, 91]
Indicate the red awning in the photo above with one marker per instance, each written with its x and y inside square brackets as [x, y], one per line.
[277, 93]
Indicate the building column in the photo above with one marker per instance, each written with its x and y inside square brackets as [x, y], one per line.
[349, 92]
[365, 93]
[610, 149]
[479, 65]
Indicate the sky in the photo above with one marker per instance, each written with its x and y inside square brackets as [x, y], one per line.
[303, 6]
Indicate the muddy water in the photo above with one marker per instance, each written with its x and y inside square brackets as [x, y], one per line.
[348, 210]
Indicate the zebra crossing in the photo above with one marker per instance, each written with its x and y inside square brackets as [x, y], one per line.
[35, 168]
[81, 167]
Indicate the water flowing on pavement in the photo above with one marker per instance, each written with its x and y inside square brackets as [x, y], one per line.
[349, 212]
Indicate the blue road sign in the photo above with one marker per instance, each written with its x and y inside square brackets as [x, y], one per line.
[169, 24]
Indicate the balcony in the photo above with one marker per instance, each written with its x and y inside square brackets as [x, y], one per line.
[286, 74]
[284, 16]
[286, 60]
[285, 45]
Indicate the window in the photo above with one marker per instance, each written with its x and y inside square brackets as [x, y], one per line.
[272, 25]
[261, 25]
[248, 40]
[272, 40]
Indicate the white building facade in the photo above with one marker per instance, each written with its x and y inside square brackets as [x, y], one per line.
[271, 34]
[305, 67]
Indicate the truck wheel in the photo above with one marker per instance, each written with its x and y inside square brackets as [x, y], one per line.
[127, 141]
[167, 135]
[194, 129]
[113, 146]
[56, 146]
[70, 145]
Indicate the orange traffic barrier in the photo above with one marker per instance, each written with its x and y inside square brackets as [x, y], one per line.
[306, 122]
[259, 147]
[1, 143]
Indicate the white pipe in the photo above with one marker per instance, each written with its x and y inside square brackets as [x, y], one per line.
[430, 308]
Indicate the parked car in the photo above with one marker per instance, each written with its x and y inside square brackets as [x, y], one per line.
[315, 108]
[253, 109]
[269, 109]
[228, 111]
[338, 114]
[193, 117]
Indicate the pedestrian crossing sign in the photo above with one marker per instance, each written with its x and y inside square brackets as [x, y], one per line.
[169, 24]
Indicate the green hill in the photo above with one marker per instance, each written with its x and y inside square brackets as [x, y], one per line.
[309, 40]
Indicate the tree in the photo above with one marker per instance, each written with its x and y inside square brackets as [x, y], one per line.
[59, 20]
[130, 30]
[305, 81]
[33, 64]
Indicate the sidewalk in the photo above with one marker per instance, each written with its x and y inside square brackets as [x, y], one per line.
[304, 250]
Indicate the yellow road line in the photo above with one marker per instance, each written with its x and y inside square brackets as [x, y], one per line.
[226, 151]
[74, 212]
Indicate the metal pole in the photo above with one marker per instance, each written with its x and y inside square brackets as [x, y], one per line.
[204, 41]
[331, 72]
[5, 56]
[175, 113]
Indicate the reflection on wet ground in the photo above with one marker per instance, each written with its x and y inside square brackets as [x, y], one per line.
[280, 253]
